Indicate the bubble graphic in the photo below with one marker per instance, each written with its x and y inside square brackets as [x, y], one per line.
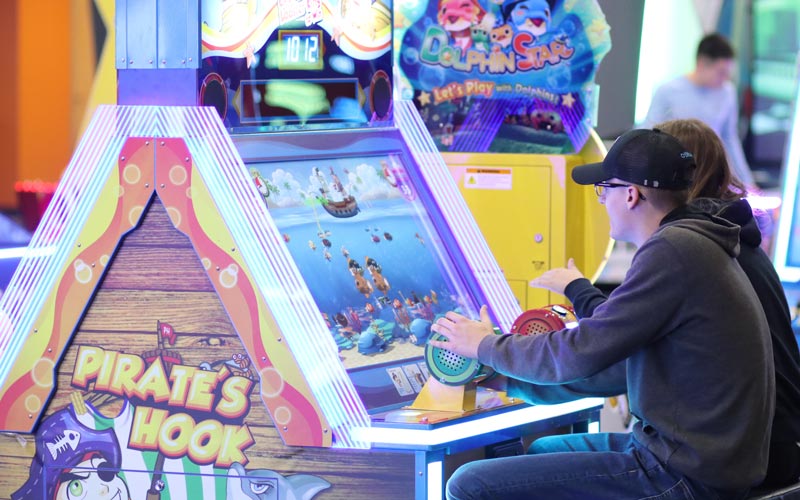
[282, 415]
[178, 175]
[229, 276]
[271, 382]
[175, 216]
[131, 173]
[83, 273]
[134, 214]
[33, 404]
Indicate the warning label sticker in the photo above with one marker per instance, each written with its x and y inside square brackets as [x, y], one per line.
[487, 178]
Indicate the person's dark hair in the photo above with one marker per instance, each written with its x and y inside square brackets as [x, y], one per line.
[715, 46]
[713, 177]
[665, 199]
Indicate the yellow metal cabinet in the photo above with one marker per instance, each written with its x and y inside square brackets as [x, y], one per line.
[533, 216]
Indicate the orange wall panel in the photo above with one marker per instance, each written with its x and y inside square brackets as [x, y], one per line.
[43, 84]
[8, 105]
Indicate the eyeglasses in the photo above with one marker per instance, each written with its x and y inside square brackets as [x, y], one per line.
[601, 188]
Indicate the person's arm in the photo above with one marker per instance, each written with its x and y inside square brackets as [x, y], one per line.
[730, 137]
[570, 282]
[618, 328]
[659, 109]
[584, 297]
[609, 382]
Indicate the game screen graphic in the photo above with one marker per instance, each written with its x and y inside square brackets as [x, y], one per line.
[297, 64]
[502, 75]
[365, 247]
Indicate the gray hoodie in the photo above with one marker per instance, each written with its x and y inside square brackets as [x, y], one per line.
[691, 333]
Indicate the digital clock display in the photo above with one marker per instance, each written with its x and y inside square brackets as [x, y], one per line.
[300, 49]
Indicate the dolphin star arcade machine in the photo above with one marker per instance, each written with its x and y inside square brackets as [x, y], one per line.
[506, 89]
[233, 300]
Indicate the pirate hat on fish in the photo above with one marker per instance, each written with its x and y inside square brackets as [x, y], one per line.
[62, 443]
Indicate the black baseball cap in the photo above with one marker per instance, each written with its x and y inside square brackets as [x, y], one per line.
[646, 157]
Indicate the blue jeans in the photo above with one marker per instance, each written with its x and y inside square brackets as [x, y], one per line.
[580, 467]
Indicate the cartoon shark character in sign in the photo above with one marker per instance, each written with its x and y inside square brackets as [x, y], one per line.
[264, 484]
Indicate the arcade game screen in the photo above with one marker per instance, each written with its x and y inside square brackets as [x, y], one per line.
[288, 65]
[366, 248]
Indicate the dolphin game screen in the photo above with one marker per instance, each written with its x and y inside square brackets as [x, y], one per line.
[369, 255]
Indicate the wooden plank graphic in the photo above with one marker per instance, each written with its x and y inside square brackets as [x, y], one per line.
[156, 386]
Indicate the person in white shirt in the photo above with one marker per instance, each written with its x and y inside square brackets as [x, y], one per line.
[708, 95]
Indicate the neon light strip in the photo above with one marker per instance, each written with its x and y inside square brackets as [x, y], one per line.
[387, 437]
[313, 347]
[483, 265]
[274, 271]
[435, 479]
[758, 202]
[787, 215]
[12, 253]
[62, 222]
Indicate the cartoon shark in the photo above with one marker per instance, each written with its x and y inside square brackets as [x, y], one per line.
[265, 484]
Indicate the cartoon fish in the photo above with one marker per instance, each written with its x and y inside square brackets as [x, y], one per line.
[69, 439]
[362, 285]
[381, 283]
[354, 267]
[372, 265]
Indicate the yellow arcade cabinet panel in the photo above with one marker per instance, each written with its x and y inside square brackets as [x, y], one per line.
[531, 218]
[510, 220]
[510, 107]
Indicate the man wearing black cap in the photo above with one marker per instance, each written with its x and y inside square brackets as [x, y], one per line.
[684, 335]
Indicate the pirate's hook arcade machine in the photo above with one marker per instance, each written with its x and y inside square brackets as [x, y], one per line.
[233, 300]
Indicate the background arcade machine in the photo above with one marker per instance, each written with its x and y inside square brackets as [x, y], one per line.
[786, 251]
[187, 324]
[13, 240]
[507, 91]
